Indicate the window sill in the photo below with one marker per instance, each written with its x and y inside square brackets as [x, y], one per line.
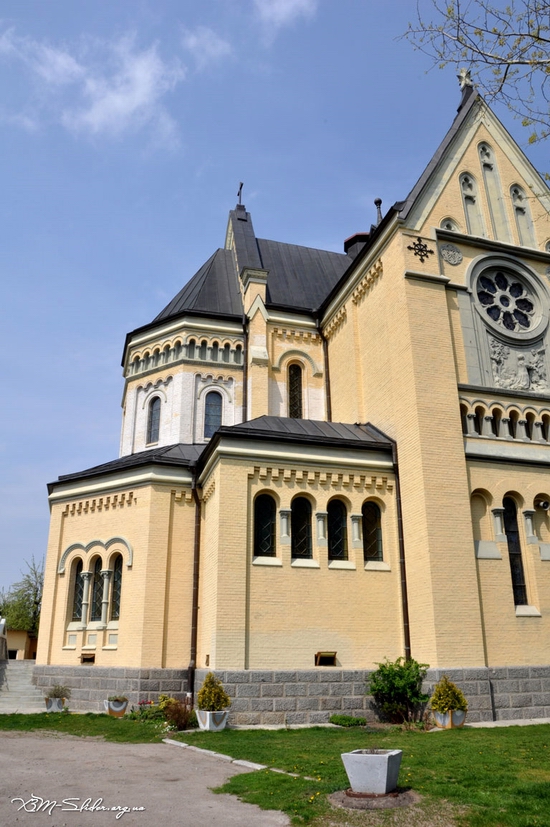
[109, 648]
[527, 611]
[90, 648]
[342, 564]
[112, 624]
[96, 626]
[267, 561]
[69, 648]
[75, 626]
[306, 563]
[377, 565]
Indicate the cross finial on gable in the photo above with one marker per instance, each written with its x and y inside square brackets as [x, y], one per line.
[464, 78]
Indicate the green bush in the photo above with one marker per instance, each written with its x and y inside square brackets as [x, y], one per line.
[179, 714]
[397, 690]
[447, 696]
[146, 711]
[212, 697]
[347, 720]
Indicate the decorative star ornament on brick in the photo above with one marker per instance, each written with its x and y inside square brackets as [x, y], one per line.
[420, 249]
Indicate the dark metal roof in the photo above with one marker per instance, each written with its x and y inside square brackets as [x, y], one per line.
[213, 289]
[178, 454]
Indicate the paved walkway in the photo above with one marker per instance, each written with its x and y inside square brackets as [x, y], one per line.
[173, 786]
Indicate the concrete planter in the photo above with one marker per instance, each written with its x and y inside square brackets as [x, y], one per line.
[372, 771]
[116, 709]
[212, 721]
[54, 704]
[453, 719]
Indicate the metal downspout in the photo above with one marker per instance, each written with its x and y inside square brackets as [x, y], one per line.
[402, 567]
[245, 369]
[195, 602]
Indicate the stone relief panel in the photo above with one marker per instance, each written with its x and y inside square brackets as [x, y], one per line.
[519, 368]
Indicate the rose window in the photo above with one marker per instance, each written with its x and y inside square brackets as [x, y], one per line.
[506, 300]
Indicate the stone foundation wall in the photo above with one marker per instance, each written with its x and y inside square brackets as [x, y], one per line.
[307, 696]
[91, 685]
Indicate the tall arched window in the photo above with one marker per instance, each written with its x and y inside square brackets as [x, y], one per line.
[97, 591]
[153, 420]
[78, 591]
[522, 214]
[191, 349]
[472, 207]
[514, 551]
[300, 528]
[372, 532]
[117, 586]
[493, 191]
[212, 413]
[264, 526]
[295, 391]
[337, 530]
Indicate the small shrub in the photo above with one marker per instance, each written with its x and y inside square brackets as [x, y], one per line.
[59, 691]
[119, 698]
[397, 690]
[178, 714]
[212, 697]
[447, 696]
[146, 711]
[347, 720]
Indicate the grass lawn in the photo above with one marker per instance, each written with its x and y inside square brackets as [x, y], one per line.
[89, 724]
[489, 777]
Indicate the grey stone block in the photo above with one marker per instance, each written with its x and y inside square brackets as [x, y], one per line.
[500, 673]
[132, 673]
[236, 677]
[296, 718]
[247, 718]
[144, 674]
[505, 687]
[273, 718]
[541, 698]
[521, 701]
[508, 714]
[539, 672]
[230, 688]
[473, 717]
[285, 677]
[479, 702]
[284, 704]
[248, 690]
[316, 689]
[261, 677]
[480, 674]
[534, 712]
[352, 703]
[271, 690]
[318, 717]
[333, 703]
[516, 672]
[108, 683]
[261, 705]
[341, 689]
[308, 703]
[240, 704]
[171, 686]
[125, 685]
[470, 688]
[309, 676]
[353, 675]
[294, 689]
[545, 684]
[149, 686]
[360, 688]
[531, 685]
[502, 701]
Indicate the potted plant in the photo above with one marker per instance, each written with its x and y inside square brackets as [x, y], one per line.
[115, 705]
[449, 705]
[56, 697]
[212, 702]
[372, 771]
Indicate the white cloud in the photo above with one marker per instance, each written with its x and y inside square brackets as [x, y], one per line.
[279, 13]
[206, 46]
[99, 88]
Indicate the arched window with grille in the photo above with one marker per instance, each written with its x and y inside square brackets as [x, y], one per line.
[78, 591]
[372, 532]
[300, 528]
[97, 591]
[522, 214]
[337, 530]
[212, 413]
[264, 526]
[295, 391]
[116, 588]
[511, 530]
[472, 208]
[153, 420]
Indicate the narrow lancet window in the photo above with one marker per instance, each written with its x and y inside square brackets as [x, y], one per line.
[117, 588]
[295, 392]
[264, 526]
[337, 530]
[514, 551]
[300, 528]
[97, 591]
[78, 591]
[212, 413]
[522, 214]
[153, 420]
[372, 532]
[472, 207]
[493, 191]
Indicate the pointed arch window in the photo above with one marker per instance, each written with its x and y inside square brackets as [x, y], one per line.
[522, 214]
[300, 528]
[295, 392]
[212, 413]
[117, 587]
[78, 591]
[472, 207]
[511, 530]
[337, 530]
[97, 591]
[264, 526]
[153, 420]
[372, 532]
[493, 191]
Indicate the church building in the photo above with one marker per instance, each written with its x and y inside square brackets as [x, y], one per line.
[329, 459]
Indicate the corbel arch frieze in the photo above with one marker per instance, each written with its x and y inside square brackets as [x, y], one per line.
[297, 354]
[106, 545]
[209, 382]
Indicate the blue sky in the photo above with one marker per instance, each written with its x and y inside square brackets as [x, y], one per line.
[125, 128]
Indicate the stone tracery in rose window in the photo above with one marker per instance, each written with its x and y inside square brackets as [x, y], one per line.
[506, 300]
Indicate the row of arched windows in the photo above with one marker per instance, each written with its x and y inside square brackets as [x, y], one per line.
[96, 592]
[504, 424]
[265, 518]
[193, 349]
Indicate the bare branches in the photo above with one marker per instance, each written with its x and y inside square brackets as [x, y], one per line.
[506, 47]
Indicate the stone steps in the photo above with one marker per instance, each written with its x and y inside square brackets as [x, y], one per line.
[17, 691]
